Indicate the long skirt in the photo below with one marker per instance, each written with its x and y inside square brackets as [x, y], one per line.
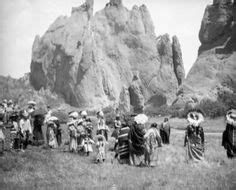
[73, 144]
[229, 145]
[195, 149]
[52, 139]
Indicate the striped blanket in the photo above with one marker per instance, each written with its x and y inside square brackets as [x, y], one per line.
[123, 142]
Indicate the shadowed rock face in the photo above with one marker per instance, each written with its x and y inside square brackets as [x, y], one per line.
[88, 59]
[215, 67]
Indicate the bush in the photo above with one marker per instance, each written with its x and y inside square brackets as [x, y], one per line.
[61, 115]
[157, 111]
[212, 108]
[110, 115]
[227, 98]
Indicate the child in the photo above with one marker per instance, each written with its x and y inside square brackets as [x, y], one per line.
[101, 142]
[52, 141]
[87, 145]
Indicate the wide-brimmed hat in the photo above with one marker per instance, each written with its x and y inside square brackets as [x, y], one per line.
[231, 117]
[100, 113]
[5, 101]
[195, 117]
[83, 113]
[33, 103]
[74, 115]
[141, 119]
[53, 118]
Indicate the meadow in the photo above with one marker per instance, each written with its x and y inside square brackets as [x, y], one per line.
[40, 168]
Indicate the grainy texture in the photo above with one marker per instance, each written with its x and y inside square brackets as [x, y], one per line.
[38, 168]
[88, 59]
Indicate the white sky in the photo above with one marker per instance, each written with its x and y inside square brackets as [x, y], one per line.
[21, 20]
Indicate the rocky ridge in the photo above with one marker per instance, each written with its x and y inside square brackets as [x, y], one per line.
[215, 68]
[91, 60]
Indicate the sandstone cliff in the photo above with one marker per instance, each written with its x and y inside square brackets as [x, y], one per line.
[215, 67]
[91, 59]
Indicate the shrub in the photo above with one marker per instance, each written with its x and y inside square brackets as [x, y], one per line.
[227, 98]
[212, 108]
[110, 115]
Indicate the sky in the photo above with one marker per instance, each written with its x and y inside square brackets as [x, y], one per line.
[22, 20]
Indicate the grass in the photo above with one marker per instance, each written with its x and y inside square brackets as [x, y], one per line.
[39, 168]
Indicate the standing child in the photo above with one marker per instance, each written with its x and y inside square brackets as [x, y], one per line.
[87, 145]
[101, 143]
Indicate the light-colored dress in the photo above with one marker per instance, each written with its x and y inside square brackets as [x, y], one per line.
[52, 141]
[102, 128]
[101, 151]
[25, 126]
[73, 136]
[152, 141]
[87, 145]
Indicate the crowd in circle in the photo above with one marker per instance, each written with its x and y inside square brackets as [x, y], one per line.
[134, 143]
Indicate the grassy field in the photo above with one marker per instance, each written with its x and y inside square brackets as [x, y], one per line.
[39, 168]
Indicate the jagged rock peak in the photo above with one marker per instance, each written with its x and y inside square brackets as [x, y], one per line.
[222, 2]
[177, 60]
[86, 7]
[116, 3]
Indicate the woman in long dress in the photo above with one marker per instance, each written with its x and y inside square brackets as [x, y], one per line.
[51, 133]
[72, 127]
[137, 141]
[229, 135]
[102, 128]
[152, 142]
[194, 139]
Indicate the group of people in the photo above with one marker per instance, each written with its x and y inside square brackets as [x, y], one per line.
[134, 144]
[81, 134]
[16, 124]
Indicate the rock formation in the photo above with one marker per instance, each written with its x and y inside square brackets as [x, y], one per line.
[88, 59]
[124, 100]
[215, 67]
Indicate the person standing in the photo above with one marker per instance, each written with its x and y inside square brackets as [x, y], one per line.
[165, 131]
[152, 141]
[194, 139]
[25, 128]
[115, 133]
[229, 135]
[72, 127]
[102, 128]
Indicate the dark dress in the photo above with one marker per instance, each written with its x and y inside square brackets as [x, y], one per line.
[37, 132]
[229, 140]
[165, 132]
[194, 140]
